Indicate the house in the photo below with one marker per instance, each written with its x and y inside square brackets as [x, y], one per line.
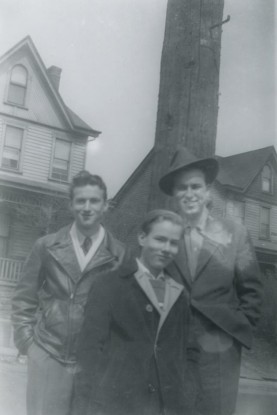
[42, 145]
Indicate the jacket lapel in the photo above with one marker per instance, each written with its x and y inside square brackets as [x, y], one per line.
[207, 251]
[146, 286]
[172, 291]
[181, 261]
[63, 252]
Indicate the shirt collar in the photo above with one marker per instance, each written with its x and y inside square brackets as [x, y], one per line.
[201, 225]
[81, 237]
[142, 269]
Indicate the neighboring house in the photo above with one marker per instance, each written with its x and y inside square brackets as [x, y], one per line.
[42, 145]
[246, 191]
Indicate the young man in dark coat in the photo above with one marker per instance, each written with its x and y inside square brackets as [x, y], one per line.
[50, 298]
[220, 272]
[134, 351]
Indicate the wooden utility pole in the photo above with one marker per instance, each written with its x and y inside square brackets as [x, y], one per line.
[189, 84]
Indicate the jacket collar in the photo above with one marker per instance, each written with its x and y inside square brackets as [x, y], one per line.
[61, 248]
[172, 291]
[215, 237]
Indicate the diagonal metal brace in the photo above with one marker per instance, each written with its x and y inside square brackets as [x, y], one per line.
[220, 24]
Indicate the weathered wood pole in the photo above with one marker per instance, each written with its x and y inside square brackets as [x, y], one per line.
[189, 84]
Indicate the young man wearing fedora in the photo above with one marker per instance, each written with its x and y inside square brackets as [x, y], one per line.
[219, 269]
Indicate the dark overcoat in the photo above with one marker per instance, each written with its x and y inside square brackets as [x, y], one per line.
[134, 359]
[227, 287]
[225, 296]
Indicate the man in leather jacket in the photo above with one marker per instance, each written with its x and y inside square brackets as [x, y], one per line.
[50, 298]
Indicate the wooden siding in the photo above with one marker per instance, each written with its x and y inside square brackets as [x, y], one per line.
[38, 149]
[37, 154]
[273, 224]
[78, 157]
[40, 105]
[218, 196]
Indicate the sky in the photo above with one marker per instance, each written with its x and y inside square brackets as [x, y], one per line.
[110, 51]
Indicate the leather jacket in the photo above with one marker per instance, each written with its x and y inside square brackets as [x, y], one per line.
[49, 301]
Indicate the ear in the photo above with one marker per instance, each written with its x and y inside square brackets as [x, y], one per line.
[141, 238]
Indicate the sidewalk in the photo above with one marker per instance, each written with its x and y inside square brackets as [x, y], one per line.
[257, 389]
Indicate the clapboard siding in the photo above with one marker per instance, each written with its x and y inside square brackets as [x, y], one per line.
[37, 154]
[252, 218]
[218, 201]
[78, 157]
[273, 224]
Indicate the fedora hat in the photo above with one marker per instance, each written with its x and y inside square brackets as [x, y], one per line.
[183, 159]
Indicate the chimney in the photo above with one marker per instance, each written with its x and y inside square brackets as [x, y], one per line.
[54, 73]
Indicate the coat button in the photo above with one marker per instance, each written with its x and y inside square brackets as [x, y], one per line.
[151, 388]
[149, 308]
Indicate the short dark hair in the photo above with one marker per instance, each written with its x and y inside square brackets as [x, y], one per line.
[84, 178]
[159, 215]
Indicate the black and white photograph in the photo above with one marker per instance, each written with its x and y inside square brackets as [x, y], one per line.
[138, 207]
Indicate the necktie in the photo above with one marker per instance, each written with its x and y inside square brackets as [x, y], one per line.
[86, 245]
[193, 246]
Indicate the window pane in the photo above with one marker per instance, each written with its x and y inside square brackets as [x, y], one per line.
[10, 158]
[264, 215]
[266, 172]
[16, 94]
[60, 164]
[62, 150]
[266, 185]
[13, 137]
[264, 231]
[19, 75]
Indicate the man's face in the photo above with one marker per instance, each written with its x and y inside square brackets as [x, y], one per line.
[88, 205]
[160, 245]
[191, 192]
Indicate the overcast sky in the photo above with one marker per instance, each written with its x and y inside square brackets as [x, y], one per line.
[110, 50]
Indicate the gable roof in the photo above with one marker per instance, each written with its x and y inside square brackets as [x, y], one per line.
[239, 170]
[72, 120]
[134, 176]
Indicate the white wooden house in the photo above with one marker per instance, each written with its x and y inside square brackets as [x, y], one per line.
[42, 145]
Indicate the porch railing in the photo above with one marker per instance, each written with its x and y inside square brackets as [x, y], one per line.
[10, 270]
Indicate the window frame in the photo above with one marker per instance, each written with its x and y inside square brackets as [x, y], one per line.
[270, 191]
[9, 83]
[60, 138]
[2, 148]
[262, 236]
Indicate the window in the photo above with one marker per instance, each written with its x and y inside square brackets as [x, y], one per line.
[264, 222]
[18, 85]
[267, 179]
[12, 148]
[61, 160]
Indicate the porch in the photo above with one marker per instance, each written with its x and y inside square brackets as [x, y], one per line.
[10, 270]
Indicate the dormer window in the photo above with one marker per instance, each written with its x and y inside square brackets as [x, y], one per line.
[267, 179]
[18, 86]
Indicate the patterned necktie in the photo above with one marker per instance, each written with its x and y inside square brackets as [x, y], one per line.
[86, 245]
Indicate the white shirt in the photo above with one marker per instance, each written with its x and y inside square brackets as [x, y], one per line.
[78, 240]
